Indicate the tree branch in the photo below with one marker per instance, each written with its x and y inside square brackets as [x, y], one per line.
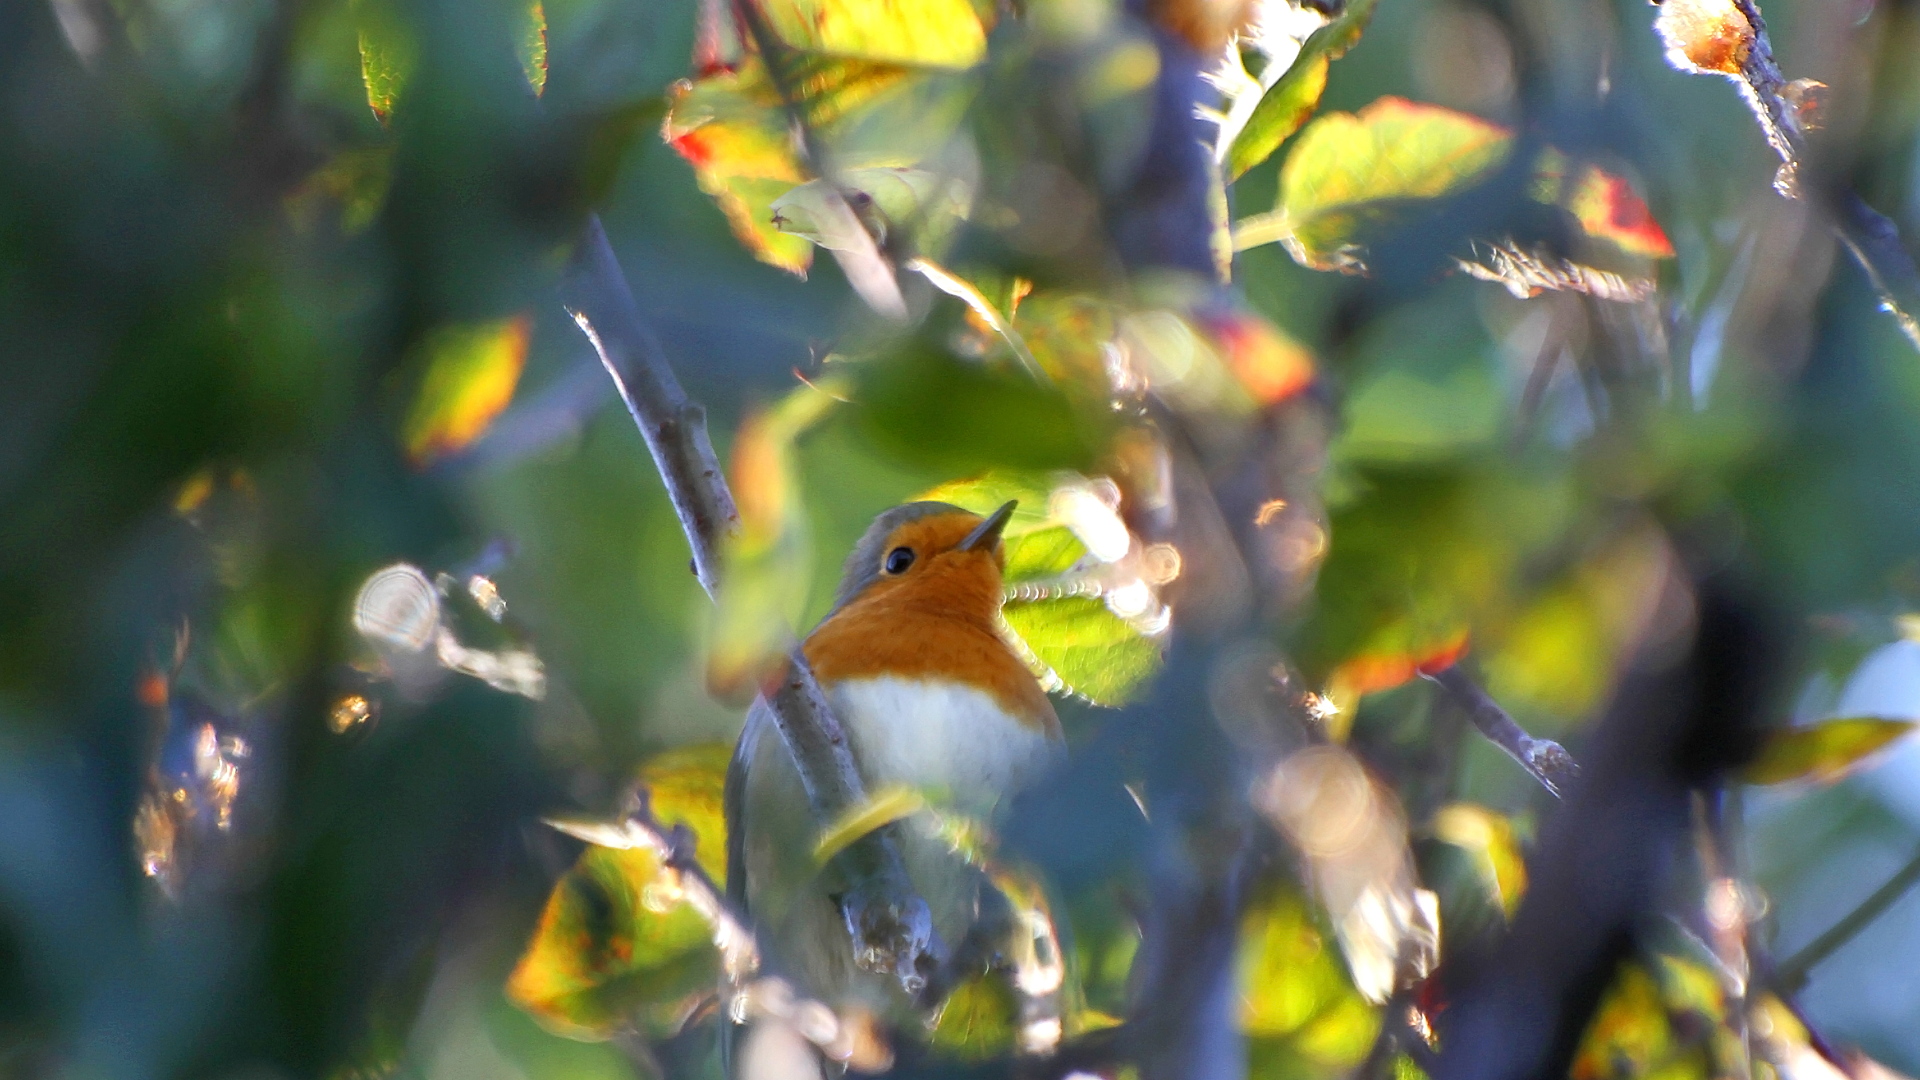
[890, 925]
[1868, 235]
[1545, 759]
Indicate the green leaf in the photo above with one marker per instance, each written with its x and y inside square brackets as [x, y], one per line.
[1041, 554]
[472, 370]
[977, 1021]
[1297, 1004]
[615, 944]
[929, 408]
[1352, 173]
[1086, 647]
[1822, 752]
[1292, 98]
[388, 53]
[532, 46]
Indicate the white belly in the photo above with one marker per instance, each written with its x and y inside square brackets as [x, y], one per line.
[953, 743]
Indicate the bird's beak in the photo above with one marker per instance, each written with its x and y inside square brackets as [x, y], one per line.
[987, 533]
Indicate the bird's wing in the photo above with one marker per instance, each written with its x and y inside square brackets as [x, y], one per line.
[734, 800]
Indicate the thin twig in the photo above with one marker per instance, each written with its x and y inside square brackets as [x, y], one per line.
[1545, 759]
[1791, 973]
[674, 845]
[1868, 235]
[673, 425]
[888, 922]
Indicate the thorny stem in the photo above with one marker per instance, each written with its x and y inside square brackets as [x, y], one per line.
[883, 913]
[1868, 235]
[1545, 759]
[1791, 974]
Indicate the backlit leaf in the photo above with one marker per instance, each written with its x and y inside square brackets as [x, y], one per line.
[1293, 97]
[1092, 651]
[730, 128]
[977, 1021]
[1489, 837]
[532, 46]
[930, 33]
[1296, 1002]
[354, 183]
[388, 53]
[1349, 172]
[472, 370]
[615, 945]
[883, 807]
[1822, 752]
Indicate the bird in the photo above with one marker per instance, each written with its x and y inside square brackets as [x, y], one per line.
[911, 658]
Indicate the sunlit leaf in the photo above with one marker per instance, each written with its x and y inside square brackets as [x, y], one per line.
[1041, 554]
[1398, 655]
[472, 370]
[1092, 651]
[1822, 752]
[1349, 172]
[532, 46]
[1489, 837]
[615, 945]
[388, 53]
[1270, 366]
[930, 33]
[1660, 1018]
[1608, 208]
[1292, 99]
[1295, 999]
[885, 806]
[732, 131]
[978, 1020]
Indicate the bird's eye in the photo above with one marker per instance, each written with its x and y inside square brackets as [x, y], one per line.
[899, 559]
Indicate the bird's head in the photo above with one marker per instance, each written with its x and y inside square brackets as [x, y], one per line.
[928, 555]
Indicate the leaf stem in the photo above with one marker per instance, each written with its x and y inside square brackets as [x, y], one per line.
[1791, 973]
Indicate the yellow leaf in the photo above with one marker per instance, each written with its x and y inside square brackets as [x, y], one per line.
[1489, 837]
[472, 370]
[1822, 752]
[925, 33]
[616, 943]
[883, 807]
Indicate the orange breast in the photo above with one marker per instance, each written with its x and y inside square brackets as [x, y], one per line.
[864, 640]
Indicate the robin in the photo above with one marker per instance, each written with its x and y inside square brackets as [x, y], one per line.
[930, 696]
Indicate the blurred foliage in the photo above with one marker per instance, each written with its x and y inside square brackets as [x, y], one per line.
[277, 297]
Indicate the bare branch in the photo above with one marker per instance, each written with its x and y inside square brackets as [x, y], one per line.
[675, 427]
[1868, 235]
[889, 923]
[1547, 760]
